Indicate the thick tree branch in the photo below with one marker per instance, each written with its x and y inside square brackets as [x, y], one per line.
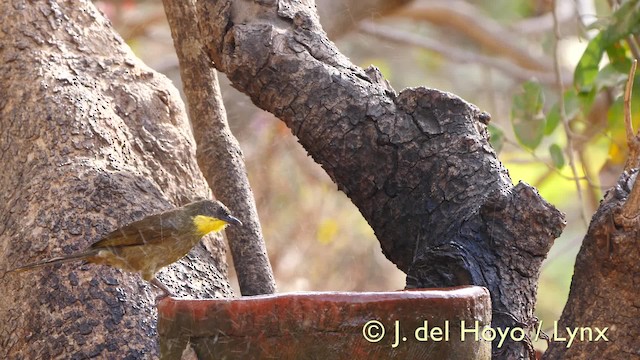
[417, 164]
[218, 152]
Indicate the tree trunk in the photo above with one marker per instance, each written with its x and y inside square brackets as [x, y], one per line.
[90, 139]
[417, 164]
[603, 309]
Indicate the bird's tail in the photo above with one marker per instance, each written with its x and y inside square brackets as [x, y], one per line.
[56, 260]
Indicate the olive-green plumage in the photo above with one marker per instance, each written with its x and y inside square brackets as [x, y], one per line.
[147, 245]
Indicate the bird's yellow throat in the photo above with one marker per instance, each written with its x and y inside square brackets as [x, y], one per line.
[206, 224]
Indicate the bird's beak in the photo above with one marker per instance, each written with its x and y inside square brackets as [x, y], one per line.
[232, 220]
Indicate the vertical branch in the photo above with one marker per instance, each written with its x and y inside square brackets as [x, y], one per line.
[563, 112]
[633, 140]
[631, 208]
[218, 152]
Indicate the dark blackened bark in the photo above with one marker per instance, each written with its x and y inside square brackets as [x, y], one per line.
[605, 289]
[417, 164]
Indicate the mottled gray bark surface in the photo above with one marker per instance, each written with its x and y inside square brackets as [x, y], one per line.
[417, 164]
[605, 289]
[90, 140]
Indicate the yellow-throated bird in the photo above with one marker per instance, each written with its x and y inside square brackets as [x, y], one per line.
[147, 245]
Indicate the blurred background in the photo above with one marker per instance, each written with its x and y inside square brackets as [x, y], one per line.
[519, 60]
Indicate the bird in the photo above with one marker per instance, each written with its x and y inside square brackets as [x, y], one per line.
[147, 245]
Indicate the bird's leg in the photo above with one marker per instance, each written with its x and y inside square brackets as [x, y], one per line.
[165, 290]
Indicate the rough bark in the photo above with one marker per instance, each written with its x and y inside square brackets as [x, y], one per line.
[605, 289]
[417, 164]
[336, 24]
[219, 154]
[90, 139]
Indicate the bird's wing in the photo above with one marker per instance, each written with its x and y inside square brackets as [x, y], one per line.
[150, 230]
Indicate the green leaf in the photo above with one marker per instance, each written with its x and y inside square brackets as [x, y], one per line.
[572, 107]
[587, 68]
[571, 104]
[625, 21]
[617, 55]
[556, 156]
[586, 100]
[553, 119]
[527, 118]
[496, 137]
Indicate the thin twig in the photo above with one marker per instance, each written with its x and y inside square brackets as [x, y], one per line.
[461, 56]
[563, 112]
[339, 17]
[544, 23]
[467, 19]
[633, 46]
[631, 138]
[593, 191]
[538, 159]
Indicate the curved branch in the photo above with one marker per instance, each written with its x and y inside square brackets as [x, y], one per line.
[463, 17]
[417, 164]
[458, 55]
[565, 12]
[340, 16]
